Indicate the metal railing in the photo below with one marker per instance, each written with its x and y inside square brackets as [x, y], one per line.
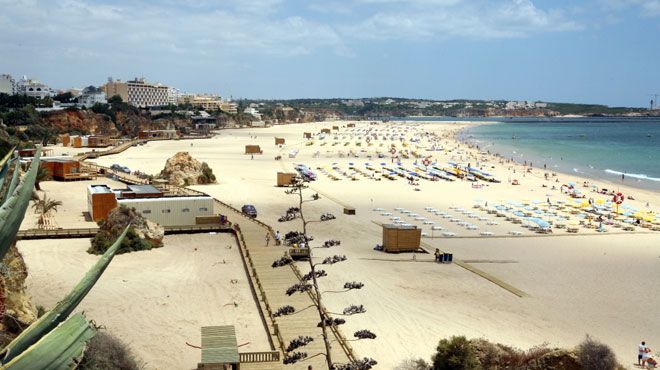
[251, 357]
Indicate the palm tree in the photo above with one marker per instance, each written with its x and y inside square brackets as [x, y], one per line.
[43, 174]
[44, 207]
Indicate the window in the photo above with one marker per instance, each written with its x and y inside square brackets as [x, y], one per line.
[203, 209]
[166, 211]
[146, 211]
[185, 210]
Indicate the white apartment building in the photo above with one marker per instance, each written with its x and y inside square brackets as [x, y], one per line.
[253, 112]
[173, 95]
[144, 94]
[7, 85]
[138, 92]
[33, 88]
[92, 95]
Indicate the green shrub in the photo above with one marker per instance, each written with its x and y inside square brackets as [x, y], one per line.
[455, 353]
[114, 225]
[594, 355]
[207, 174]
[105, 351]
[131, 243]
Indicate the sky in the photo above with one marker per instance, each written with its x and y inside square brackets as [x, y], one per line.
[591, 51]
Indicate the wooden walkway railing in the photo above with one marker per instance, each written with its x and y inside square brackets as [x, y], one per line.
[250, 357]
[91, 231]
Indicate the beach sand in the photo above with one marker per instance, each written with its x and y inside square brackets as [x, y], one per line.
[590, 283]
[157, 300]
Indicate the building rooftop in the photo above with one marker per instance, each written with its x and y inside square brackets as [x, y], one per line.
[99, 189]
[144, 189]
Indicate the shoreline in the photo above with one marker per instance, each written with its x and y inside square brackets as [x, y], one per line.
[497, 155]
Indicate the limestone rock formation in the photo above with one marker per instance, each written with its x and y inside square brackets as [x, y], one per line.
[184, 170]
[19, 309]
[81, 121]
[143, 235]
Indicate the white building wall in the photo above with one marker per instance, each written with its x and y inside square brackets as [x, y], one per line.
[174, 211]
[7, 85]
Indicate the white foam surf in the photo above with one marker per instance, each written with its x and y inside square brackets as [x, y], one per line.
[639, 176]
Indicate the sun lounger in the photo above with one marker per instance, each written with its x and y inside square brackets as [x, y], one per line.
[448, 234]
[437, 228]
[428, 222]
[486, 233]
[472, 227]
[492, 223]
[572, 229]
[515, 233]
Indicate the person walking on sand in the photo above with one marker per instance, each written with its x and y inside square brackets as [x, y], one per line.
[640, 353]
[267, 238]
[278, 238]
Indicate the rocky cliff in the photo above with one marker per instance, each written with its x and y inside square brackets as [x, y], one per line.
[184, 170]
[81, 121]
[19, 309]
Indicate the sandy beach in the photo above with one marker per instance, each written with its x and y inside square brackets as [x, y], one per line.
[574, 284]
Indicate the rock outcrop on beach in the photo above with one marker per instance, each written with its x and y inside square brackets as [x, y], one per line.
[183, 170]
[143, 234]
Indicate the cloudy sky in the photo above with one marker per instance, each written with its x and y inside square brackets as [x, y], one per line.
[592, 51]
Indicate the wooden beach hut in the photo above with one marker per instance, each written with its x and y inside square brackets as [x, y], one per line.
[307, 135]
[253, 149]
[285, 178]
[100, 201]
[397, 238]
[325, 130]
[335, 128]
[350, 125]
[64, 138]
[63, 169]
[279, 141]
[98, 141]
[219, 348]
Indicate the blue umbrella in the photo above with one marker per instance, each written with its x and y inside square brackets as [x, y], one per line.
[538, 221]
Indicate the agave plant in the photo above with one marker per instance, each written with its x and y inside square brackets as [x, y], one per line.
[4, 168]
[62, 348]
[13, 208]
[63, 309]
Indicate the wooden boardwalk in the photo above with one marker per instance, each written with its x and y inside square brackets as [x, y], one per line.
[269, 287]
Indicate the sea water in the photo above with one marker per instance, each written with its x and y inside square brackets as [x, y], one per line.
[600, 147]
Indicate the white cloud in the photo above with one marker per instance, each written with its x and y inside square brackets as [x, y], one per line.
[206, 29]
[477, 20]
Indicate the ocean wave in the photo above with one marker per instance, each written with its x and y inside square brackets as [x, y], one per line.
[640, 176]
